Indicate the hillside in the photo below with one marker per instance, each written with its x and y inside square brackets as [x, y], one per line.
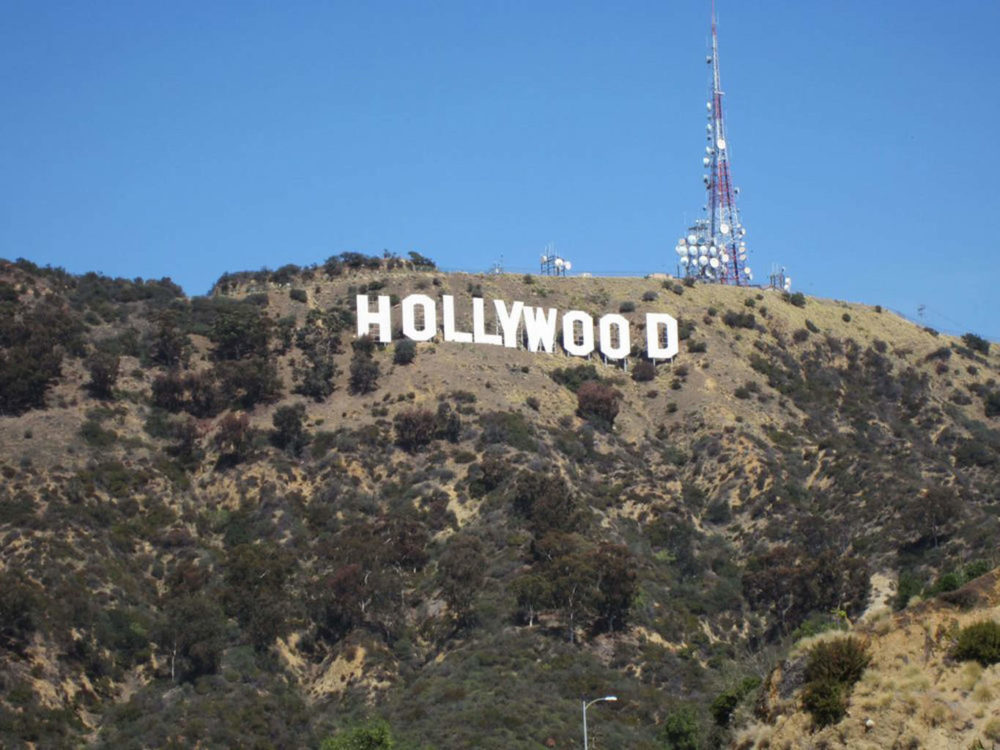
[227, 522]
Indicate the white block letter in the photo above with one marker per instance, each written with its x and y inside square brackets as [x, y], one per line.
[509, 321]
[425, 303]
[655, 348]
[624, 346]
[586, 345]
[540, 325]
[383, 317]
[450, 333]
[479, 325]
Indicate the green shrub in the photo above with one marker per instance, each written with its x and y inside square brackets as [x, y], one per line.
[826, 700]
[979, 642]
[299, 295]
[976, 343]
[375, 735]
[798, 299]
[626, 307]
[832, 668]
[405, 352]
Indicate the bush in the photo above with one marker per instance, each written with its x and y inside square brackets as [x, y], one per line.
[299, 295]
[650, 296]
[405, 352]
[696, 347]
[832, 669]
[364, 373]
[979, 642]
[626, 307]
[597, 402]
[739, 320]
[574, 377]
[681, 730]
[375, 735]
[643, 372]
[798, 299]
[976, 343]
[414, 429]
[726, 702]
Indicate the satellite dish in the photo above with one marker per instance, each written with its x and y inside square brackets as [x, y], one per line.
[568, 265]
[724, 258]
[703, 260]
[743, 257]
[545, 258]
[709, 59]
[743, 232]
[724, 228]
[708, 128]
[708, 149]
[749, 271]
[788, 281]
[713, 251]
[706, 161]
[713, 262]
[559, 262]
[684, 261]
[721, 143]
[708, 106]
[749, 276]
[692, 240]
[681, 250]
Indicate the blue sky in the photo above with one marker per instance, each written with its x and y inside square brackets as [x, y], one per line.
[186, 139]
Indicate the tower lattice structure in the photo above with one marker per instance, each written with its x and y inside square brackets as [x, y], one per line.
[714, 248]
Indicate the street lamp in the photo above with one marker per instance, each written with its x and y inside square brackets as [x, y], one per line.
[588, 705]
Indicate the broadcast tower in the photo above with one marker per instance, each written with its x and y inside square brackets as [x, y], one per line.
[715, 247]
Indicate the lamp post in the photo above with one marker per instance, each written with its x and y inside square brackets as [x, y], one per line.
[587, 705]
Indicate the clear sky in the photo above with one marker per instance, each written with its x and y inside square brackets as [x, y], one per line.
[186, 139]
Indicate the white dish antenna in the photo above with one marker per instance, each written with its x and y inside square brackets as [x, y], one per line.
[692, 240]
[693, 251]
[545, 258]
[706, 161]
[724, 257]
[703, 260]
[721, 143]
[559, 262]
[713, 262]
[724, 228]
[685, 261]
[568, 266]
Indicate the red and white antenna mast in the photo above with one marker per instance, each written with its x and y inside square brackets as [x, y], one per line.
[715, 247]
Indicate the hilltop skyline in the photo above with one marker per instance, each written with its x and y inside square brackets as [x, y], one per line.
[188, 141]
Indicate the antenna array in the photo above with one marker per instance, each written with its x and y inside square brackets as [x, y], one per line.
[715, 247]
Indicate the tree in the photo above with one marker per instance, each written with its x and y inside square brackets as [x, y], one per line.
[364, 373]
[20, 610]
[193, 636]
[289, 433]
[256, 577]
[103, 368]
[234, 438]
[546, 502]
[616, 586]
[241, 331]
[169, 346]
[461, 571]
[248, 382]
[597, 402]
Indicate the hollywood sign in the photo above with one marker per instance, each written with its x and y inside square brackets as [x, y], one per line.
[536, 328]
